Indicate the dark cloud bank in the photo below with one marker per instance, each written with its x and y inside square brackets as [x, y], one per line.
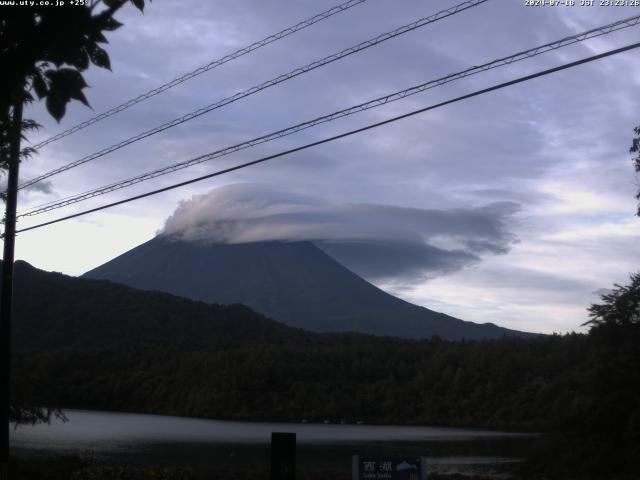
[380, 242]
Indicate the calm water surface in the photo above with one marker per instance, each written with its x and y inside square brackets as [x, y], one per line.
[153, 439]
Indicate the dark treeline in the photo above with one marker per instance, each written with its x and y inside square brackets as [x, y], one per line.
[510, 383]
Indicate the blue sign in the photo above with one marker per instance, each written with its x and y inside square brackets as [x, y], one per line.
[388, 468]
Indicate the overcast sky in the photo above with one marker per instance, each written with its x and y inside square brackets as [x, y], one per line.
[515, 207]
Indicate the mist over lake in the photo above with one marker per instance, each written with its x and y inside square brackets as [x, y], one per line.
[139, 439]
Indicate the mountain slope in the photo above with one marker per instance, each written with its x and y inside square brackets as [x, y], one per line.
[51, 310]
[294, 282]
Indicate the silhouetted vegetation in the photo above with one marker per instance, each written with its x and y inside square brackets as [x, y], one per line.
[73, 468]
[598, 434]
[635, 148]
[516, 384]
[35, 57]
[620, 306]
[44, 52]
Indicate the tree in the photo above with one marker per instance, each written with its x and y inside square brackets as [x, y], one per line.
[44, 49]
[621, 306]
[635, 148]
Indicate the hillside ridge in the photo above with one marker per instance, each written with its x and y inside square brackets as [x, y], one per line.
[295, 283]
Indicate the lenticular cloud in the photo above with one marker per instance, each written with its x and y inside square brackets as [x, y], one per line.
[379, 242]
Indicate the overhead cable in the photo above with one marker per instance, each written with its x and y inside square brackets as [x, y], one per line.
[335, 115]
[205, 68]
[342, 135]
[262, 86]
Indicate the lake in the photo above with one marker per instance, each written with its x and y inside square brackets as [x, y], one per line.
[137, 439]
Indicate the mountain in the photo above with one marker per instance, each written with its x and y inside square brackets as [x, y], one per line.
[293, 282]
[54, 310]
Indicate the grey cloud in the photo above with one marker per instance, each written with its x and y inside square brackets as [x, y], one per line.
[45, 187]
[520, 195]
[528, 280]
[397, 262]
[476, 150]
[380, 242]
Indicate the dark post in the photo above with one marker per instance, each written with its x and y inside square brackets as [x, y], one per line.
[7, 287]
[283, 456]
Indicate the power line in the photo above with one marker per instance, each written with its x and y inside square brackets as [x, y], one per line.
[628, 22]
[342, 135]
[258, 88]
[205, 68]
[618, 25]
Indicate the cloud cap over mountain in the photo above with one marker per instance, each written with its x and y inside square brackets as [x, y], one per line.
[380, 242]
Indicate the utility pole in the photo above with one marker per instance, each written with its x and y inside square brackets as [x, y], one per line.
[7, 286]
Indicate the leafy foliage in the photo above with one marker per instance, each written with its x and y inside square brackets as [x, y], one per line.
[635, 148]
[78, 468]
[45, 49]
[33, 414]
[621, 306]
[133, 473]
[340, 377]
[27, 152]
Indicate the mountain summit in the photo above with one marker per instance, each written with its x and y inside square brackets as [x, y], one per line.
[293, 282]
